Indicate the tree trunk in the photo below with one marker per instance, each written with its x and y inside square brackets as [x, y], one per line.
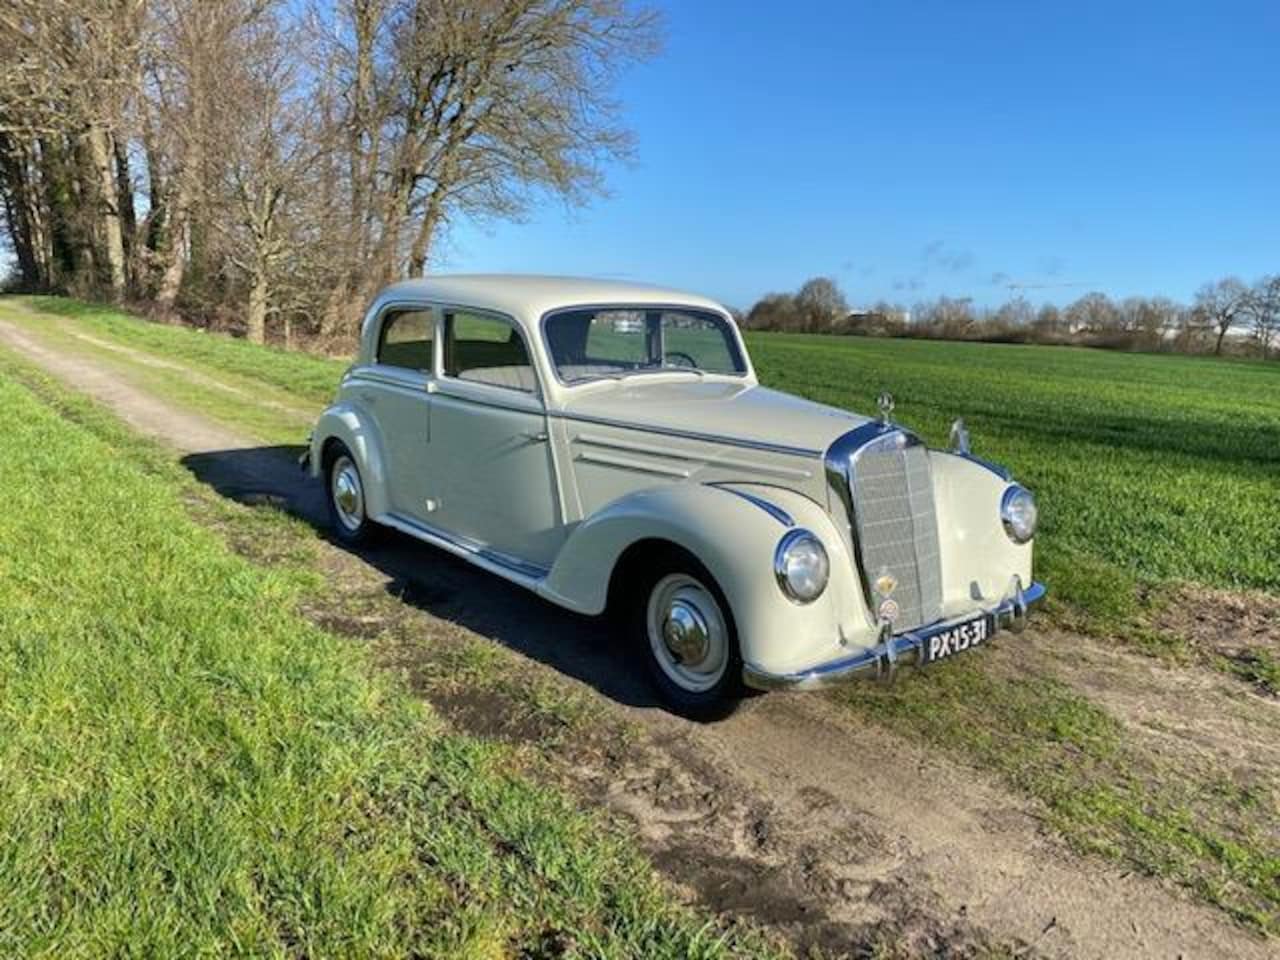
[178, 236]
[1217, 349]
[107, 208]
[256, 331]
[22, 219]
[431, 219]
[362, 135]
[128, 213]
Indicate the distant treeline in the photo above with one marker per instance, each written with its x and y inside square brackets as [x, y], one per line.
[1226, 316]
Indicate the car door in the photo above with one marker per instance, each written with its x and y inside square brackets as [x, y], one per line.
[395, 389]
[492, 475]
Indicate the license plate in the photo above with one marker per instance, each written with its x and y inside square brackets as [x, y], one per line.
[957, 639]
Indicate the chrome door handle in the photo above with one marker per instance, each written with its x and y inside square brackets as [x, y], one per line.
[534, 436]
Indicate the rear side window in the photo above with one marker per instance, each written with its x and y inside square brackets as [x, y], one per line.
[406, 340]
[485, 349]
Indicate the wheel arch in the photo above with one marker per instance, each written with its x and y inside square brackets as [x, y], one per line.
[729, 535]
[346, 424]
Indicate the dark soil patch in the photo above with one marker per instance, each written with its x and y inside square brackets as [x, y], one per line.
[490, 713]
[1236, 632]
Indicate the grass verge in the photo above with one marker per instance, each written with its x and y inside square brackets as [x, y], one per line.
[187, 766]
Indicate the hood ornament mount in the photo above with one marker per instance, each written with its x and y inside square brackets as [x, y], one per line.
[885, 403]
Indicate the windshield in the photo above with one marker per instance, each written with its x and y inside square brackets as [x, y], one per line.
[594, 343]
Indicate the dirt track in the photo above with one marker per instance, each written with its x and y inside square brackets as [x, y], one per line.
[785, 812]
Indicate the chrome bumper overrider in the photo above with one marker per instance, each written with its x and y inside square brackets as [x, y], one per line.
[881, 660]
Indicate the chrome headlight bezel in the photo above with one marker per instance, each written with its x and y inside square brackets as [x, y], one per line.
[1015, 503]
[793, 545]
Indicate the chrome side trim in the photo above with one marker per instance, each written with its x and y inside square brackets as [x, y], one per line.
[627, 463]
[879, 661]
[688, 434]
[518, 571]
[599, 440]
[772, 509]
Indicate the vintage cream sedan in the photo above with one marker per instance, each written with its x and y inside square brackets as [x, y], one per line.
[607, 446]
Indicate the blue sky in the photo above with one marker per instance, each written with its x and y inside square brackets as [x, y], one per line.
[912, 149]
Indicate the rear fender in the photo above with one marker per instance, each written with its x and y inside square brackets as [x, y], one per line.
[347, 423]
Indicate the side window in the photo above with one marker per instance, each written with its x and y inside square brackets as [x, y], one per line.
[485, 349]
[405, 340]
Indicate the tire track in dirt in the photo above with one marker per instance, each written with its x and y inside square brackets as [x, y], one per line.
[788, 811]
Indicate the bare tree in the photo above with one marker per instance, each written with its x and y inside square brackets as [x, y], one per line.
[774, 311]
[1016, 314]
[65, 79]
[475, 107]
[270, 149]
[949, 318]
[1263, 310]
[1222, 305]
[821, 304]
[1092, 313]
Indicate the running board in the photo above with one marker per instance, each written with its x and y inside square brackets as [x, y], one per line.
[528, 575]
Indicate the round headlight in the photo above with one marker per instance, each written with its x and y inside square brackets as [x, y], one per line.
[1018, 511]
[800, 563]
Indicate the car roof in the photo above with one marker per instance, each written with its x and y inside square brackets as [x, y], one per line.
[529, 296]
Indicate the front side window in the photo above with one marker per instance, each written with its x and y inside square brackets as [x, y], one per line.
[485, 349]
[592, 343]
[406, 340]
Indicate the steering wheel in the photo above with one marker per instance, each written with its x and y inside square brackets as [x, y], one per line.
[684, 359]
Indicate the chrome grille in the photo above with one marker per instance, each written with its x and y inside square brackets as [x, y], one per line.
[896, 526]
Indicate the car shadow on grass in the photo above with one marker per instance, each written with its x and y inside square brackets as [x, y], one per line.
[436, 582]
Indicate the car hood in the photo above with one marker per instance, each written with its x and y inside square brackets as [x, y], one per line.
[743, 413]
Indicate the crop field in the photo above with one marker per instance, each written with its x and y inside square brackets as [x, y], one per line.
[1149, 469]
[1155, 475]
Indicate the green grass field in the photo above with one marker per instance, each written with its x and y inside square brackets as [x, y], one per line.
[1150, 470]
[188, 767]
[1147, 468]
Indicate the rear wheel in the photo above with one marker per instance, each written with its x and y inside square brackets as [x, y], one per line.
[683, 628]
[347, 515]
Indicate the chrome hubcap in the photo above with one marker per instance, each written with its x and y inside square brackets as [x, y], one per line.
[348, 495]
[687, 632]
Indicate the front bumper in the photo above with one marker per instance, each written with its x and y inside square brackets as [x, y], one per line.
[907, 647]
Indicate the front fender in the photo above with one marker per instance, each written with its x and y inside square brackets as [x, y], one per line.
[978, 558]
[348, 423]
[734, 537]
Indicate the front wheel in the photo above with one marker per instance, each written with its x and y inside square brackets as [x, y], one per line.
[684, 629]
